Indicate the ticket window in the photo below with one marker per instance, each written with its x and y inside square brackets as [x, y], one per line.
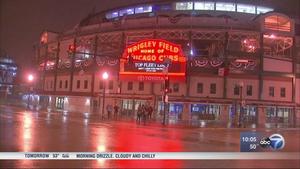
[127, 104]
[196, 110]
[60, 102]
[175, 111]
[205, 112]
[250, 113]
[278, 114]
[283, 114]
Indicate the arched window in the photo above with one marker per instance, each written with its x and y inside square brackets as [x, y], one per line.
[278, 23]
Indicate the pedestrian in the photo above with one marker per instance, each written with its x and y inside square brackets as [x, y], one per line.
[116, 111]
[150, 111]
[144, 109]
[139, 113]
[109, 110]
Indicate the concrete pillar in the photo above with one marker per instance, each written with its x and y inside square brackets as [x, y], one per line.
[292, 117]
[224, 114]
[297, 117]
[51, 104]
[261, 116]
[186, 111]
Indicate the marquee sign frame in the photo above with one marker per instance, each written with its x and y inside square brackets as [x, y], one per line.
[144, 61]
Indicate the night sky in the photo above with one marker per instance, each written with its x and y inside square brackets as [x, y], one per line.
[22, 21]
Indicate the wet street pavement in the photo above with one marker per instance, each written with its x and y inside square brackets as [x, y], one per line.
[33, 131]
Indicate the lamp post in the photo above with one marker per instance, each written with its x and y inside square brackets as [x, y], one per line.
[241, 103]
[30, 79]
[104, 78]
[166, 62]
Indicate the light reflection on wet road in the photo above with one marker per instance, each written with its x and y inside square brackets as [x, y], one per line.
[72, 132]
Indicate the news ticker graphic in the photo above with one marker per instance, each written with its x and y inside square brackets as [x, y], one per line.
[257, 142]
[149, 156]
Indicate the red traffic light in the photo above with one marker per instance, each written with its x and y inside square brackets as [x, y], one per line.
[168, 90]
[71, 48]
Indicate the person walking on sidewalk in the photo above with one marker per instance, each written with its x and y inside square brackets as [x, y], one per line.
[144, 111]
[139, 114]
[109, 109]
[150, 111]
[116, 111]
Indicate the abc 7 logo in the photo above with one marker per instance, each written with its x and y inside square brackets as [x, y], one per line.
[275, 141]
[265, 142]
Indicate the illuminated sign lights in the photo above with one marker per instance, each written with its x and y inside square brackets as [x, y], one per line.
[144, 60]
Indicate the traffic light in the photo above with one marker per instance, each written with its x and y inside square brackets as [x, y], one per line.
[71, 49]
[167, 85]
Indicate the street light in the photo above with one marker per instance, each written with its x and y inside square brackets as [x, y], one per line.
[104, 78]
[30, 79]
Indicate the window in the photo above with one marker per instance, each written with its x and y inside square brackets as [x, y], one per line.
[271, 91]
[162, 7]
[111, 85]
[128, 11]
[204, 6]
[66, 84]
[78, 84]
[143, 9]
[51, 84]
[278, 46]
[60, 84]
[277, 114]
[176, 87]
[200, 88]
[205, 111]
[261, 9]
[278, 23]
[282, 92]
[111, 15]
[213, 88]
[129, 86]
[249, 90]
[101, 85]
[220, 6]
[236, 90]
[246, 8]
[141, 86]
[85, 84]
[127, 104]
[184, 6]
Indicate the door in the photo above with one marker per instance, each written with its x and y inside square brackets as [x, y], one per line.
[60, 102]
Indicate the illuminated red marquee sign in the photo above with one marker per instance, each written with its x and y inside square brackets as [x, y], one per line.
[146, 61]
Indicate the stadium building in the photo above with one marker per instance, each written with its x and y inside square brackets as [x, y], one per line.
[8, 72]
[227, 62]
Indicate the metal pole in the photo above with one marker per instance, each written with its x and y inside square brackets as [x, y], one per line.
[167, 62]
[28, 97]
[241, 105]
[29, 94]
[103, 99]
[164, 101]
[165, 95]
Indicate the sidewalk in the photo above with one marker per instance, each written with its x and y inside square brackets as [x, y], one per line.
[192, 124]
[154, 122]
